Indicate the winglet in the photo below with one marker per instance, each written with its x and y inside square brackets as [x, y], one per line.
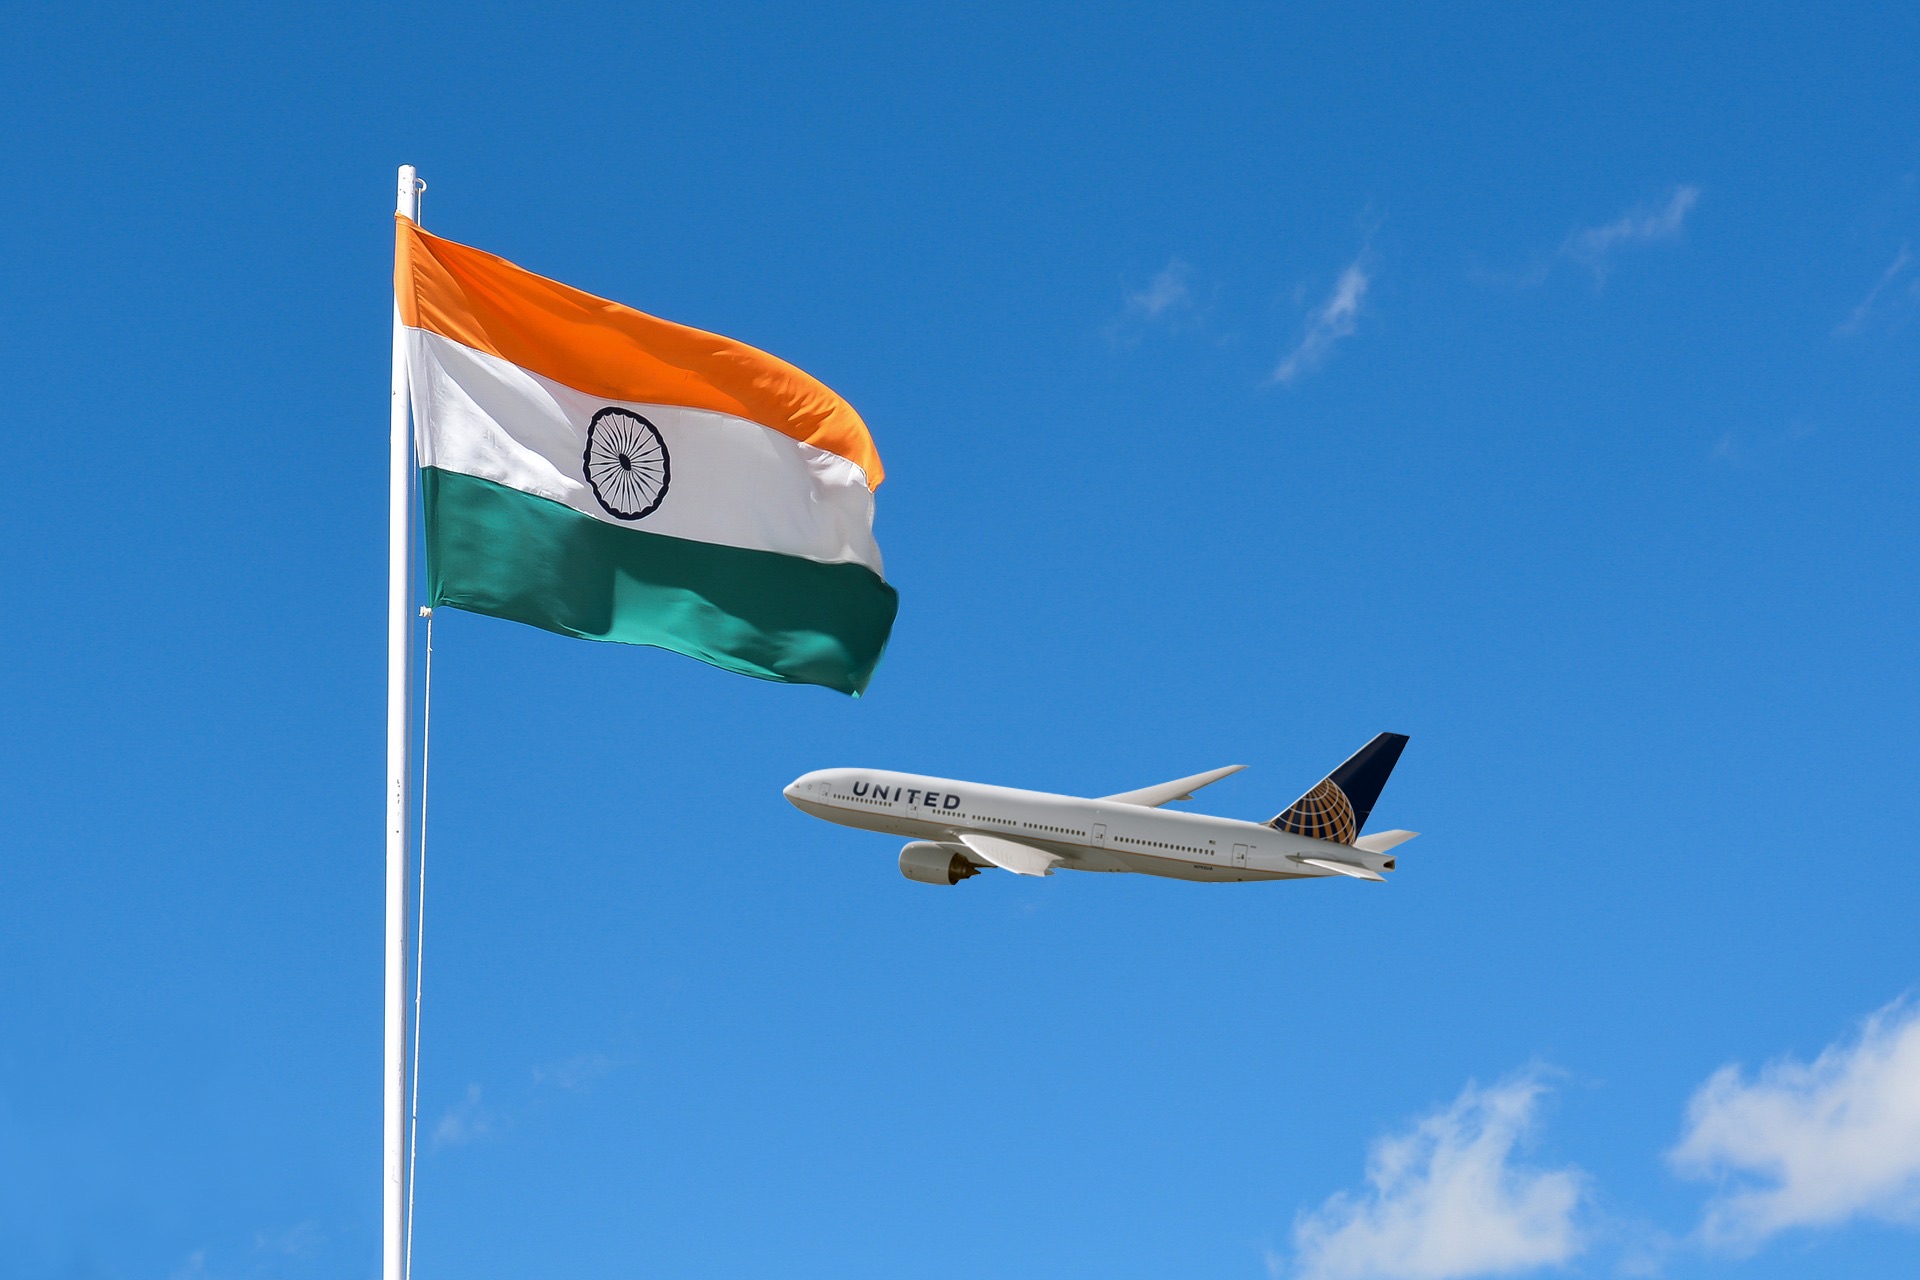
[1178, 789]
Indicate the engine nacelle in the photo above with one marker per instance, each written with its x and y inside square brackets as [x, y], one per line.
[931, 863]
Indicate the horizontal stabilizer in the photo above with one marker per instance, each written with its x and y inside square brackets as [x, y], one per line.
[1010, 855]
[1178, 789]
[1381, 841]
[1342, 868]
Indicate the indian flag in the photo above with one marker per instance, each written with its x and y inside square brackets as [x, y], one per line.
[598, 472]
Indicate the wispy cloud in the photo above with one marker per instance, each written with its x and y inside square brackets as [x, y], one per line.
[1446, 1198]
[1167, 300]
[1811, 1144]
[576, 1072]
[1593, 247]
[192, 1267]
[1168, 291]
[1331, 323]
[297, 1240]
[467, 1120]
[1857, 319]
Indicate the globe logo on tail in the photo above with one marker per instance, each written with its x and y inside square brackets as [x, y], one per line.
[626, 463]
[1324, 813]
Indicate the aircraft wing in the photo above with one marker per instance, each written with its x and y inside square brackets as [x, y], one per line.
[1011, 855]
[1178, 789]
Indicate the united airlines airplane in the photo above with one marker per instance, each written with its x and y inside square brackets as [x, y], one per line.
[959, 828]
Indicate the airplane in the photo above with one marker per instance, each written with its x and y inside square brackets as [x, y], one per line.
[958, 829]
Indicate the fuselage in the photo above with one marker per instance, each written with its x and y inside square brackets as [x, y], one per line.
[1087, 835]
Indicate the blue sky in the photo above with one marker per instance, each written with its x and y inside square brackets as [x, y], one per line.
[1540, 384]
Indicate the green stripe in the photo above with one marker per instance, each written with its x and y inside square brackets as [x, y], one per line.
[495, 550]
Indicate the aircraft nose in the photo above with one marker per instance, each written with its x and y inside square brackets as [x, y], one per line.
[792, 790]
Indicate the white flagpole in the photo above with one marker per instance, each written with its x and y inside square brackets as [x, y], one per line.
[399, 750]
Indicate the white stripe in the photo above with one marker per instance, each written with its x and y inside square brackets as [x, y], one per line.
[732, 481]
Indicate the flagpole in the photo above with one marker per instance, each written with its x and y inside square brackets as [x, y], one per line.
[399, 749]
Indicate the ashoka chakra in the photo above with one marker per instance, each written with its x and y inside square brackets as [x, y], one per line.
[626, 463]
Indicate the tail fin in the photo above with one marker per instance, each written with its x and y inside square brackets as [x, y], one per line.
[1337, 809]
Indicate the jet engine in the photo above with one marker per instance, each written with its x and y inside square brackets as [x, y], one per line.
[931, 863]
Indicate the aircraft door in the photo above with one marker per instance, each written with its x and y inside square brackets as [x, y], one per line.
[1239, 855]
[1099, 835]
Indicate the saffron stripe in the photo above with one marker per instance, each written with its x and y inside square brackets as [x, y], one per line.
[611, 351]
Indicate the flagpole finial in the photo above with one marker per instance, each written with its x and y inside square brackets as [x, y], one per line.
[411, 185]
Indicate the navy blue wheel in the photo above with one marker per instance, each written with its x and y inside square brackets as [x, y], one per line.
[626, 463]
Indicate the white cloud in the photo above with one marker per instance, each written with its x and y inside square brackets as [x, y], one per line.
[1811, 1144]
[1593, 245]
[297, 1240]
[1167, 301]
[465, 1121]
[1857, 318]
[1446, 1199]
[1330, 323]
[1167, 291]
[574, 1073]
[194, 1267]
